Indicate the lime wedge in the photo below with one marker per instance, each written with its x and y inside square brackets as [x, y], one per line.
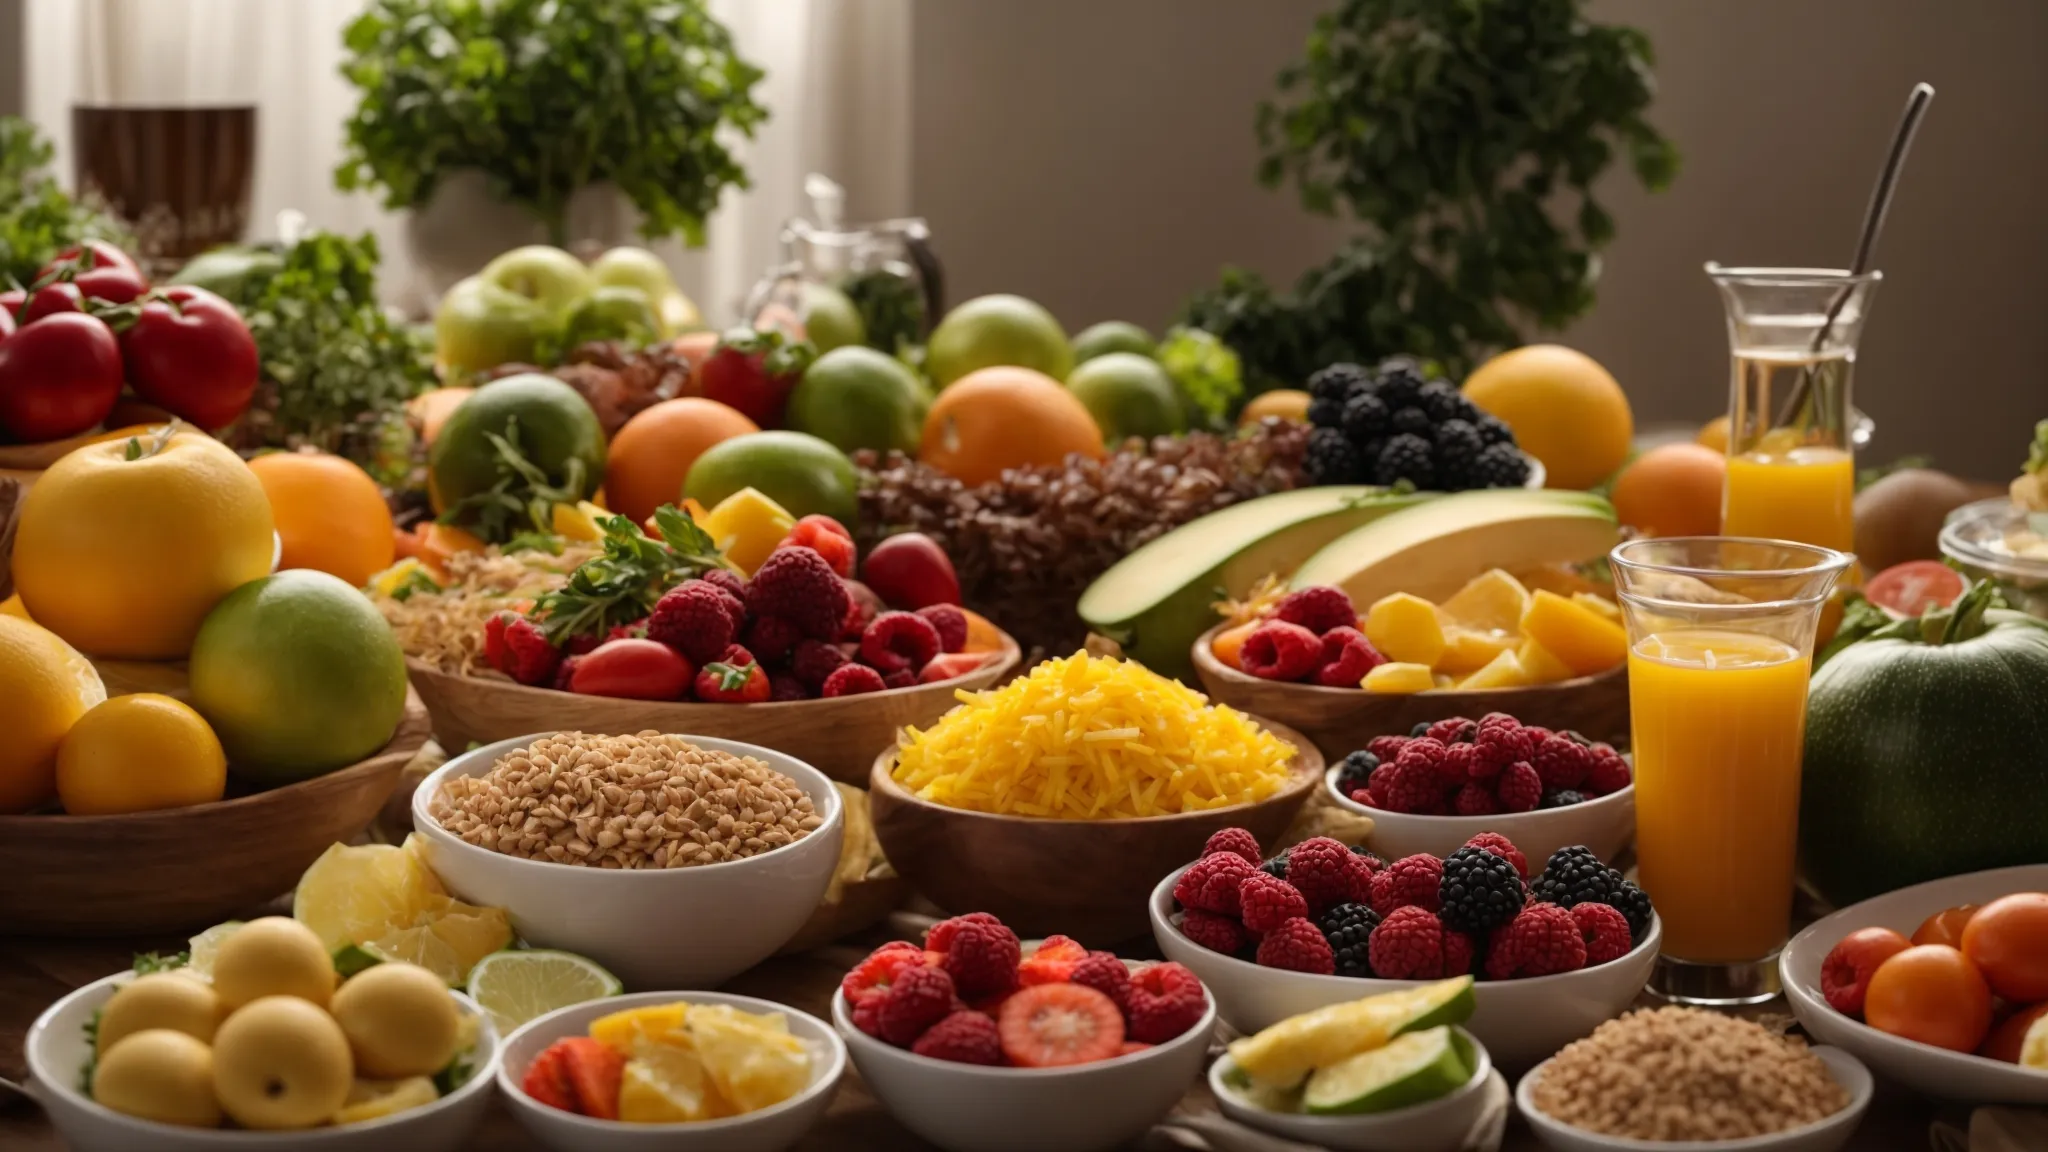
[515, 987]
[1411, 1069]
[205, 946]
[353, 959]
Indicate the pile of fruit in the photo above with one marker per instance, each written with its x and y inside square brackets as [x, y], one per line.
[1496, 764]
[266, 1039]
[1389, 426]
[1969, 979]
[1394, 1050]
[531, 304]
[970, 995]
[672, 1063]
[1326, 909]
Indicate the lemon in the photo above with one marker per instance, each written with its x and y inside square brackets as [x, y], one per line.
[385, 900]
[137, 754]
[753, 1060]
[376, 1099]
[668, 1085]
[45, 686]
[2034, 1046]
[515, 987]
[205, 948]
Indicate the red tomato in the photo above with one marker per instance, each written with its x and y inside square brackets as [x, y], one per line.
[1912, 588]
[189, 353]
[12, 302]
[631, 669]
[114, 285]
[93, 254]
[53, 299]
[58, 377]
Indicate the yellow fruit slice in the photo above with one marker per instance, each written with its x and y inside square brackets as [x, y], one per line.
[448, 941]
[1407, 628]
[753, 1060]
[1600, 605]
[1492, 601]
[2034, 1048]
[205, 948]
[1539, 665]
[578, 522]
[1585, 641]
[747, 526]
[1282, 1055]
[635, 1028]
[669, 1085]
[1400, 679]
[376, 1099]
[1504, 672]
[385, 900]
[518, 986]
[1468, 651]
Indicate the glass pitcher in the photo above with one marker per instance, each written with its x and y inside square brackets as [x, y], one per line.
[887, 270]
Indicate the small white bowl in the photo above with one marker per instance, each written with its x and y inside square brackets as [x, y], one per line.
[1923, 1067]
[1821, 1136]
[57, 1050]
[1519, 1021]
[655, 928]
[767, 1130]
[1440, 1125]
[1604, 824]
[1079, 1108]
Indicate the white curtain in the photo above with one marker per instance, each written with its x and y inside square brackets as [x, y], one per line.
[837, 90]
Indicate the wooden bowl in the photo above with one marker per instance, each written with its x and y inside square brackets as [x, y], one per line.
[1088, 879]
[838, 737]
[1341, 720]
[30, 460]
[188, 868]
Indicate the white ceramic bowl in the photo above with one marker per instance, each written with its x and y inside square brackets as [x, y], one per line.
[1519, 1021]
[1604, 824]
[1934, 1071]
[1821, 1136]
[767, 1130]
[654, 928]
[1081, 1108]
[57, 1050]
[1441, 1125]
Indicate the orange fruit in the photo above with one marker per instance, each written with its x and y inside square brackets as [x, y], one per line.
[651, 455]
[439, 542]
[1564, 408]
[1286, 403]
[1228, 646]
[1005, 417]
[123, 557]
[2009, 1039]
[1672, 490]
[45, 686]
[139, 753]
[982, 634]
[1945, 927]
[330, 515]
[2008, 942]
[1933, 994]
[1714, 434]
[432, 408]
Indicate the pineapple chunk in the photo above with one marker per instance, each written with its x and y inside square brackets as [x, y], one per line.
[1492, 601]
[1599, 604]
[635, 1028]
[1407, 629]
[1504, 672]
[1468, 651]
[1556, 578]
[1585, 641]
[753, 1060]
[668, 1085]
[1539, 665]
[1397, 679]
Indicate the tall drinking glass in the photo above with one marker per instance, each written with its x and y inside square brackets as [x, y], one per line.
[1721, 632]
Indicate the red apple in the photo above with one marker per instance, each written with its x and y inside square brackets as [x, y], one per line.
[909, 571]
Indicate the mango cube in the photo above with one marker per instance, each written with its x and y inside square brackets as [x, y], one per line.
[1407, 629]
[1505, 671]
[1585, 641]
[635, 1028]
[1468, 651]
[1539, 665]
[747, 526]
[1397, 679]
[1599, 604]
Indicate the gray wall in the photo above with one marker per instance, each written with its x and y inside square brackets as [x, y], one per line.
[1097, 155]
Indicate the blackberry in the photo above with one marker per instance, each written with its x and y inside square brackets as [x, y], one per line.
[1457, 449]
[1498, 466]
[1493, 430]
[1562, 798]
[1348, 928]
[1574, 876]
[1392, 363]
[1405, 457]
[1634, 905]
[1400, 384]
[1370, 857]
[1353, 770]
[1441, 402]
[1337, 381]
[1331, 459]
[1413, 420]
[1276, 867]
[1326, 413]
[1480, 891]
[1420, 730]
[1365, 416]
[1369, 450]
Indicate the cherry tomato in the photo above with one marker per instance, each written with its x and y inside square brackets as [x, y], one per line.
[1912, 588]
[1945, 927]
[53, 299]
[59, 377]
[189, 353]
[632, 669]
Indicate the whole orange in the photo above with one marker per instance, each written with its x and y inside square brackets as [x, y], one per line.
[1933, 994]
[1945, 926]
[2008, 941]
[2009, 1040]
[432, 409]
[994, 419]
[651, 455]
[1714, 434]
[1672, 490]
[1565, 410]
[330, 514]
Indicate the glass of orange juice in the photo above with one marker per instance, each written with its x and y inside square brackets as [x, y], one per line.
[1721, 633]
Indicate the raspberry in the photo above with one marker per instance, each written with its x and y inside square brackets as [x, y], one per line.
[1605, 932]
[825, 536]
[1561, 763]
[1410, 881]
[515, 645]
[1480, 891]
[917, 999]
[872, 976]
[1474, 799]
[867, 1016]
[862, 606]
[637, 630]
[1348, 928]
[980, 955]
[1366, 857]
[963, 1037]
[1106, 974]
[1456, 730]
[939, 937]
[1423, 751]
[1459, 951]
[1321, 869]
[728, 581]
[1163, 1001]
[1608, 773]
[851, 680]
[1236, 840]
[1052, 962]
[814, 660]
[1520, 788]
[1379, 788]
[1347, 657]
[783, 687]
[1387, 748]
[1504, 848]
[1297, 946]
[1542, 940]
[797, 585]
[1216, 933]
[899, 642]
[696, 618]
[1499, 743]
[1408, 945]
[1317, 609]
[1359, 874]
[1415, 788]
[1277, 650]
[582, 645]
[1211, 883]
[1455, 765]
[1266, 902]
[950, 623]
[771, 638]
[900, 678]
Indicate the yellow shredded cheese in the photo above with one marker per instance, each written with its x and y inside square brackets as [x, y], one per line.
[1092, 738]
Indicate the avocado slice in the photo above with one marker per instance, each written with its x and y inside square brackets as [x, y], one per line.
[1412, 1069]
[1156, 601]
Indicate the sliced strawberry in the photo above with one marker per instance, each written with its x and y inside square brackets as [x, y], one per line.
[547, 1079]
[595, 1070]
[1054, 1024]
[1053, 963]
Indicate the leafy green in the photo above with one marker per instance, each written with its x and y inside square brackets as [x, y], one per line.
[38, 219]
[621, 584]
[1455, 135]
[457, 1073]
[891, 308]
[1206, 372]
[416, 581]
[546, 97]
[148, 962]
[2037, 452]
[1860, 620]
[523, 499]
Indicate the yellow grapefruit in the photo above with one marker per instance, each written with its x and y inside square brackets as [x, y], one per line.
[1565, 410]
[45, 686]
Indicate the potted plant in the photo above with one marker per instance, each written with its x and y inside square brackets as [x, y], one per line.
[543, 121]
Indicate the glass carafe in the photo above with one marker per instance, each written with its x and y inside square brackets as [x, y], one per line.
[886, 269]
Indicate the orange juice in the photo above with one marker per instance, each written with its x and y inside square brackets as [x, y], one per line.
[1719, 720]
[1805, 494]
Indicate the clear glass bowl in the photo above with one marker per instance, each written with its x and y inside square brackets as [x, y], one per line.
[1975, 538]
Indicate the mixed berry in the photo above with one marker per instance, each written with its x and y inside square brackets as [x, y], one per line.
[1484, 767]
[1323, 908]
[1311, 637]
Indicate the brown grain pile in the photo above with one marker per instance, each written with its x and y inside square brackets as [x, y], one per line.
[647, 801]
[1685, 1074]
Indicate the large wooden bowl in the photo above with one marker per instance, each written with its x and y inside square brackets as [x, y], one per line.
[838, 737]
[1341, 720]
[187, 868]
[1088, 879]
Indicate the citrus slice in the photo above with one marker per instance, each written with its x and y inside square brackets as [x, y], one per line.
[753, 1060]
[668, 1085]
[515, 987]
[206, 946]
[2034, 1047]
[1282, 1055]
[376, 1099]
[1492, 601]
[448, 940]
[1411, 1069]
[385, 900]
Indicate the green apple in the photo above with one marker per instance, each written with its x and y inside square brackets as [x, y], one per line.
[481, 325]
[548, 276]
[678, 313]
[613, 312]
[634, 268]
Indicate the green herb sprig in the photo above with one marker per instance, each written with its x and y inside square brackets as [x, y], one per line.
[38, 219]
[1207, 374]
[622, 584]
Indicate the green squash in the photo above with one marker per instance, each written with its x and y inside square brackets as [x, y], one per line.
[1927, 752]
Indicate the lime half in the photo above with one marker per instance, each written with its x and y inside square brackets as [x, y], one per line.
[515, 987]
[1411, 1069]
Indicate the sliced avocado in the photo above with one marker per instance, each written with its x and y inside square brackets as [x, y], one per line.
[1433, 549]
[1411, 1069]
[1156, 601]
[1280, 1056]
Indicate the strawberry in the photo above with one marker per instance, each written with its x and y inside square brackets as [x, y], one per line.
[734, 678]
[594, 1069]
[547, 1079]
[754, 372]
[952, 665]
